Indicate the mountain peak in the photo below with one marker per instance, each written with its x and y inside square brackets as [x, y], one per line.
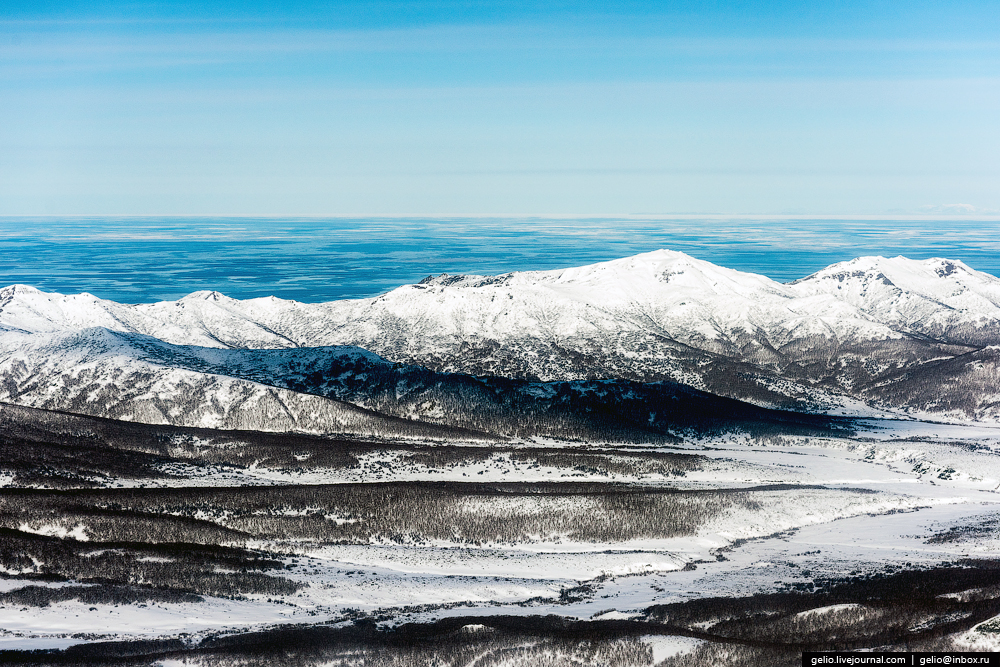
[922, 276]
[206, 295]
[25, 297]
[20, 290]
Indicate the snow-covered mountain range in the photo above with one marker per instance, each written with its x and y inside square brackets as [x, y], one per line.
[347, 390]
[106, 374]
[869, 336]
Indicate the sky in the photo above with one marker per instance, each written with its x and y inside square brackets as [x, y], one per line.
[443, 108]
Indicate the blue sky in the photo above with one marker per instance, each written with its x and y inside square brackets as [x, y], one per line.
[465, 108]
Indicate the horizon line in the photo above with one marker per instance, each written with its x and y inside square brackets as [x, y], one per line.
[984, 217]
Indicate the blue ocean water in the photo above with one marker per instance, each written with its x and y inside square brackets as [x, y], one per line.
[137, 260]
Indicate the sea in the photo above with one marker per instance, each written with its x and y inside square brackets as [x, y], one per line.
[146, 259]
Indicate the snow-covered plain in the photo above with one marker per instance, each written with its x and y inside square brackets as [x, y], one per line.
[844, 506]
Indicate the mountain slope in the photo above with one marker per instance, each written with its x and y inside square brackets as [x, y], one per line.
[139, 378]
[98, 372]
[940, 298]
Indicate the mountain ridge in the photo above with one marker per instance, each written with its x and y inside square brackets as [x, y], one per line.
[857, 337]
[349, 391]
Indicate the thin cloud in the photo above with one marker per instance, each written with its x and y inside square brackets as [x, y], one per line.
[39, 51]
